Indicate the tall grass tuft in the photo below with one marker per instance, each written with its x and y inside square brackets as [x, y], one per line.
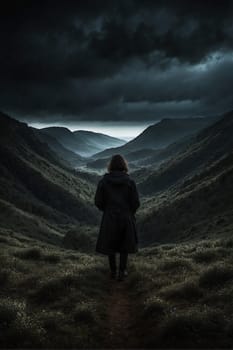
[216, 276]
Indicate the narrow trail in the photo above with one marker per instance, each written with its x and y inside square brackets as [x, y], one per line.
[121, 331]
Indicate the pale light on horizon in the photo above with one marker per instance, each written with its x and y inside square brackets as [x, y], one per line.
[122, 130]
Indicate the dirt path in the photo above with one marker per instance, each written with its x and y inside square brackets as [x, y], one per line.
[120, 330]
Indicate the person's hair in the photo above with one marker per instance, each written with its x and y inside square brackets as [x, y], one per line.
[118, 162]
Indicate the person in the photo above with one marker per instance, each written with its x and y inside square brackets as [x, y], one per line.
[117, 196]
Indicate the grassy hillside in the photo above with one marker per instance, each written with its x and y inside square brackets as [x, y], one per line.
[96, 142]
[207, 147]
[157, 157]
[50, 297]
[184, 294]
[66, 138]
[34, 182]
[67, 157]
[176, 296]
[160, 135]
[201, 207]
[190, 196]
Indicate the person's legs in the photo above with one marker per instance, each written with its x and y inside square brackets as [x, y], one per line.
[122, 266]
[112, 262]
[123, 261]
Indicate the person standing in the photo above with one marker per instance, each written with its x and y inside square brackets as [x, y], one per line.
[117, 197]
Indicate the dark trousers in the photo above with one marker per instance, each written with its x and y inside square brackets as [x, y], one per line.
[122, 264]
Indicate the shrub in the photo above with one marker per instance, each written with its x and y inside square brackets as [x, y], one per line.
[52, 320]
[186, 290]
[8, 313]
[52, 258]
[85, 314]
[228, 243]
[206, 255]
[77, 239]
[134, 278]
[29, 335]
[3, 240]
[150, 251]
[19, 329]
[4, 276]
[229, 328]
[192, 328]
[167, 246]
[215, 276]
[29, 253]
[49, 291]
[29, 282]
[55, 288]
[153, 307]
[72, 257]
[173, 264]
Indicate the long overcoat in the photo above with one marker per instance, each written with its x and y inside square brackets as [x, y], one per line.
[118, 198]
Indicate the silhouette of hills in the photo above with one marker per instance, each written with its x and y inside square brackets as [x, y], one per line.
[160, 135]
[38, 194]
[208, 146]
[67, 157]
[83, 143]
[190, 195]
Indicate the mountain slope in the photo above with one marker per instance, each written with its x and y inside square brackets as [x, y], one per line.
[159, 156]
[84, 143]
[33, 181]
[208, 146]
[160, 135]
[202, 207]
[190, 197]
[66, 156]
[65, 137]
[97, 141]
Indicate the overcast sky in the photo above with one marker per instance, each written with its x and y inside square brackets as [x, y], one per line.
[135, 61]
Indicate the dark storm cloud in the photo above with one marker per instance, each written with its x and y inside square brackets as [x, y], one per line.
[106, 59]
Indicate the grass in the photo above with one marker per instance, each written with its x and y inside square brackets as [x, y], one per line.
[190, 327]
[208, 255]
[154, 307]
[29, 254]
[4, 276]
[8, 313]
[187, 290]
[169, 264]
[50, 297]
[55, 298]
[216, 276]
[185, 293]
[84, 313]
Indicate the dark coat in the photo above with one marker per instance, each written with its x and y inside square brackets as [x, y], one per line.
[117, 197]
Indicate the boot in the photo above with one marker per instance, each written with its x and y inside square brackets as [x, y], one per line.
[122, 274]
[113, 274]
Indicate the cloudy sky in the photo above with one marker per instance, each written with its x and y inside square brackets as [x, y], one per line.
[98, 64]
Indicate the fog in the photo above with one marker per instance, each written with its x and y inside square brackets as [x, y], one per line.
[122, 130]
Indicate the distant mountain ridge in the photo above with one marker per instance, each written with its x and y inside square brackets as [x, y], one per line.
[66, 156]
[82, 142]
[160, 135]
[209, 145]
[97, 138]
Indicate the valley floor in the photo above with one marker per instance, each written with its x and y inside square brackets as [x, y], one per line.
[176, 296]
